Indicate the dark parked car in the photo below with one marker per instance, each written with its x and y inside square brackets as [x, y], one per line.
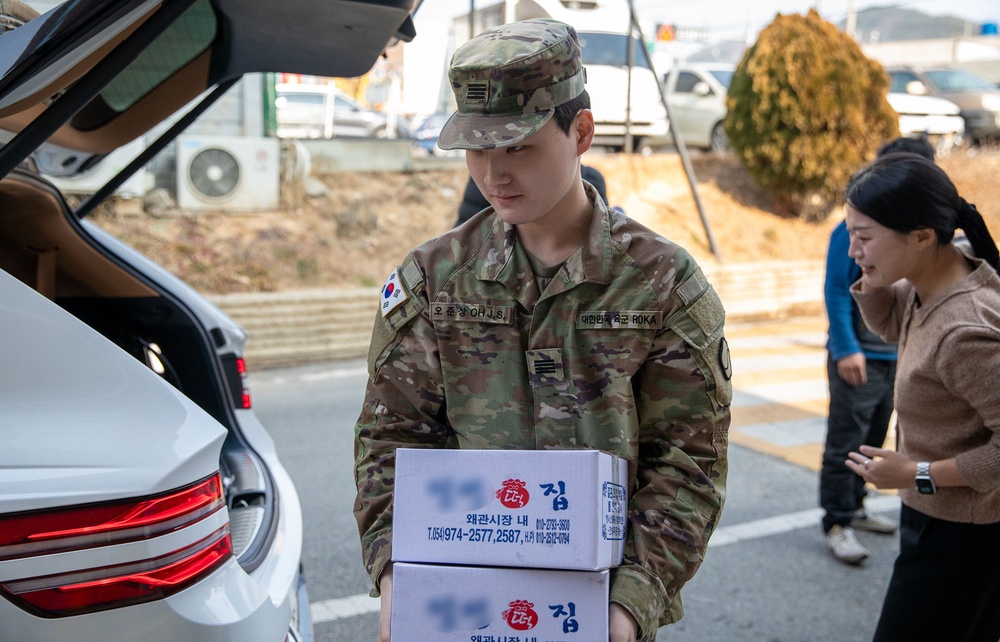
[978, 100]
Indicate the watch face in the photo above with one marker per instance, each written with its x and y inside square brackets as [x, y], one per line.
[925, 485]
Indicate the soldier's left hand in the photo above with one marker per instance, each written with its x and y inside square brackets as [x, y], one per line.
[622, 627]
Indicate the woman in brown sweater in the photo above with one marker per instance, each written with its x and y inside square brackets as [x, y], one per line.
[943, 309]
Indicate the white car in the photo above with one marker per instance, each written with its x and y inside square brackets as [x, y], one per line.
[140, 496]
[936, 118]
[323, 111]
[978, 100]
[696, 95]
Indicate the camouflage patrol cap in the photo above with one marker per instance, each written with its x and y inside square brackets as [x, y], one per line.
[508, 82]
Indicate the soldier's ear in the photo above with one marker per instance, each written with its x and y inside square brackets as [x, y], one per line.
[583, 130]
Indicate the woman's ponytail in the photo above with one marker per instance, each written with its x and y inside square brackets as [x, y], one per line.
[970, 220]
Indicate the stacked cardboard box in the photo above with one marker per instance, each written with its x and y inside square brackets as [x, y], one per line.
[505, 546]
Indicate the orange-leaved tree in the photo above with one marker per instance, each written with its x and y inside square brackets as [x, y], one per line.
[806, 108]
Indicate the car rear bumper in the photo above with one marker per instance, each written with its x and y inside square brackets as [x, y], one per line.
[270, 604]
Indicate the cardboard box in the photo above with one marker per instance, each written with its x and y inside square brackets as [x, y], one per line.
[480, 604]
[563, 509]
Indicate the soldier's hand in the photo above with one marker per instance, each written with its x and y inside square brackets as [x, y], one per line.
[622, 627]
[852, 369]
[385, 612]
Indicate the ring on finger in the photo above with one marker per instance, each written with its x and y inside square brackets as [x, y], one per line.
[866, 464]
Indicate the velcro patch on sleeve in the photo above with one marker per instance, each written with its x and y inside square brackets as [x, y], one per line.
[393, 294]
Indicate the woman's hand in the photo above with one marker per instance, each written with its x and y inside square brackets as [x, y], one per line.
[890, 470]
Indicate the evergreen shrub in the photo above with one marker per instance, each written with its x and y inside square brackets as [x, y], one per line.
[806, 108]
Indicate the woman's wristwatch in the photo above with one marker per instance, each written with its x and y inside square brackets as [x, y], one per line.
[925, 483]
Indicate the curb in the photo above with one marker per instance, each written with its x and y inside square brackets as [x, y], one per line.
[311, 326]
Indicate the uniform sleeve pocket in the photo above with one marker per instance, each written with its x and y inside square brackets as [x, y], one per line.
[700, 324]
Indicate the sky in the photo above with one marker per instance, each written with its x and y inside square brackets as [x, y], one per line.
[735, 18]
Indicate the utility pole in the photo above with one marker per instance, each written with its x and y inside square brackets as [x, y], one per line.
[850, 26]
[678, 139]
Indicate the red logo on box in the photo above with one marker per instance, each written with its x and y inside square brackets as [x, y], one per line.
[512, 494]
[520, 616]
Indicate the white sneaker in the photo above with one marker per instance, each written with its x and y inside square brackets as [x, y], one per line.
[844, 545]
[871, 523]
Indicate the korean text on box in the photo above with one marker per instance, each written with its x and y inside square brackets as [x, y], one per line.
[562, 509]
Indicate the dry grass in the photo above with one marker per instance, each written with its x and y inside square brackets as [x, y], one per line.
[355, 234]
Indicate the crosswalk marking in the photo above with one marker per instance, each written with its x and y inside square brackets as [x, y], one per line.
[781, 394]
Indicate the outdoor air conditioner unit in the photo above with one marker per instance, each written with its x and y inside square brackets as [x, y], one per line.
[88, 182]
[227, 173]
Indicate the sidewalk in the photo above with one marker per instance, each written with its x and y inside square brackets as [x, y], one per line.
[781, 396]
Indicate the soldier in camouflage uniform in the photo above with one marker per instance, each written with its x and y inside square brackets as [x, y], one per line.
[551, 321]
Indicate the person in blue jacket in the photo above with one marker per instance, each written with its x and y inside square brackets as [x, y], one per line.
[861, 370]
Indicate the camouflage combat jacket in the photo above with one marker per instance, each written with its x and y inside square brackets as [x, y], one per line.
[623, 352]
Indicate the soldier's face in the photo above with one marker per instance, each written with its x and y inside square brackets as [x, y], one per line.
[536, 180]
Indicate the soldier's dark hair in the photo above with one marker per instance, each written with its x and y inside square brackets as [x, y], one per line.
[907, 144]
[906, 192]
[566, 112]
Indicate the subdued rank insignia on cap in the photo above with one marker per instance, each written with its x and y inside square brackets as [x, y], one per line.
[477, 92]
[393, 294]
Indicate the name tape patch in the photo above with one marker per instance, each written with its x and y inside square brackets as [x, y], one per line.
[614, 319]
[480, 313]
[393, 295]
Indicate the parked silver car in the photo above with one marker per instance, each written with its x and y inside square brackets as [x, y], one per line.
[696, 94]
[323, 111]
[140, 496]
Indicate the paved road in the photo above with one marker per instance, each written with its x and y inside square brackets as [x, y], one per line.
[767, 576]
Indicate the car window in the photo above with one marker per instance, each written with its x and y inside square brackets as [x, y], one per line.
[342, 105]
[686, 82]
[183, 41]
[955, 80]
[724, 76]
[611, 49]
[302, 99]
[899, 79]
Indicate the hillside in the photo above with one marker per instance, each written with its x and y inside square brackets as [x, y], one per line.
[356, 233]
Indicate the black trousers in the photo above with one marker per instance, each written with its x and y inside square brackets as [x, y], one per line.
[858, 415]
[945, 584]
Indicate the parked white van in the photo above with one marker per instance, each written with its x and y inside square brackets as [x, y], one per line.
[622, 102]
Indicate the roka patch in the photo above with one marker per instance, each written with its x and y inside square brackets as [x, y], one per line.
[614, 319]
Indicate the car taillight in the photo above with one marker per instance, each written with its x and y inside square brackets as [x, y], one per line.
[114, 585]
[236, 376]
[54, 531]
[241, 368]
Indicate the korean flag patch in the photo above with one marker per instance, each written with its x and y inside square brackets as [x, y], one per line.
[393, 294]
